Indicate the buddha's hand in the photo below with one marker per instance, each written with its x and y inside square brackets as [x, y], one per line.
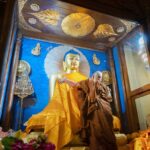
[62, 80]
[69, 82]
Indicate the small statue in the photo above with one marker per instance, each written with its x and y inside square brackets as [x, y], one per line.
[37, 50]
[96, 61]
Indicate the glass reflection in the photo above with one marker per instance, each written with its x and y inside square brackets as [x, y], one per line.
[137, 61]
[143, 111]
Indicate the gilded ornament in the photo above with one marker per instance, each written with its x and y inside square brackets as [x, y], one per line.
[35, 7]
[120, 29]
[106, 77]
[32, 20]
[37, 50]
[104, 30]
[48, 17]
[111, 39]
[78, 24]
[129, 25]
[96, 61]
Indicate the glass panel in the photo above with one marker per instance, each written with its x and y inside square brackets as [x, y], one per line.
[137, 61]
[143, 110]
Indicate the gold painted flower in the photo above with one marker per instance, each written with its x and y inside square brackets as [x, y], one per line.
[48, 17]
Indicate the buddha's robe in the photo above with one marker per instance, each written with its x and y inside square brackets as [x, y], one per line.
[61, 118]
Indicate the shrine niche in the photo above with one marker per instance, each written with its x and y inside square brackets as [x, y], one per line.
[41, 36]
[49, 63]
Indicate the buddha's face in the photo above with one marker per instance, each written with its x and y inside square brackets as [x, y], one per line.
[72, 61]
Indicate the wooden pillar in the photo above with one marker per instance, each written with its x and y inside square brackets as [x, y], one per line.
[6, 53]
[6, 24]
[6, 122]
[114, 84]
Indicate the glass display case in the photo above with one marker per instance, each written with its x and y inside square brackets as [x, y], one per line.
[143, 111]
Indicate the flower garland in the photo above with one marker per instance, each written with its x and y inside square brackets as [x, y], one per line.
[22, 141]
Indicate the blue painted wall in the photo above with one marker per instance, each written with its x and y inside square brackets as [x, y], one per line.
[39, 78]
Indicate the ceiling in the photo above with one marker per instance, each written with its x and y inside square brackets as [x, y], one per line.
[137, 10]
[71, 23]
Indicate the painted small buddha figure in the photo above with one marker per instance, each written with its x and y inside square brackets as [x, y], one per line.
[61, 118]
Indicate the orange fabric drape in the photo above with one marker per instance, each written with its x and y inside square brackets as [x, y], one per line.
[60, 119]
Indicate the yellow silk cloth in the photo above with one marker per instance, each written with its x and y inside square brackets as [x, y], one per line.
[60, 119]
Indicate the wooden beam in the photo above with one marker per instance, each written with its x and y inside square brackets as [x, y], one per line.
[141, 90]
[142, 94]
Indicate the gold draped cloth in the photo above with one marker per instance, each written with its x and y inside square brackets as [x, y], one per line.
[61, 118]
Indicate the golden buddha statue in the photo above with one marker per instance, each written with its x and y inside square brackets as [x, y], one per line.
[60, 119]
[71, 64]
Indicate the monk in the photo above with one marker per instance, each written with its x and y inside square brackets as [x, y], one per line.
[96, 115]
[97, 120]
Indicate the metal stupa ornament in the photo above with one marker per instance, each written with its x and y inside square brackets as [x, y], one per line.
[78, 24]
